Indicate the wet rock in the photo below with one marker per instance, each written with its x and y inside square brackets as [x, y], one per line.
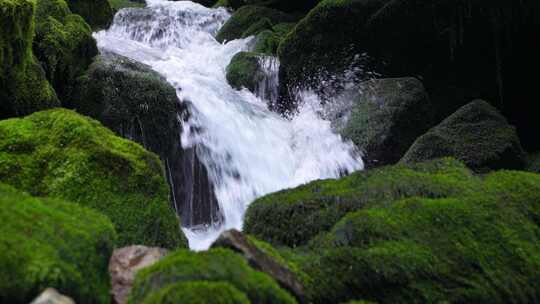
[124, 264]
[386, 116]
[476, 134]
[137, 103]
[52, 296]
[260, 260]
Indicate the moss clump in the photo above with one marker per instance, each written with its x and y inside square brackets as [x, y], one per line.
[298, 6]
[23, 86]
[267, 41]
[478, 247]
[61, 154]
[243, 20]
[215, 266]
[387, 115]
[293, 217]
[64, 45]
[52, 243]
[477, 135]
[97, 13]
[198, 292]
[116, 5]
[245, 71]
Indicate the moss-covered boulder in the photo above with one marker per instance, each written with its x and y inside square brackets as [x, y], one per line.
[267, 41]
[116, 5]
[97, 13]
[263, 257]
[293, 217]
[444, 42]
[476, 134]
[61, 154]
[288, 6]
[185, 270]
[52, 243]
[23, 86]
[477, 247]
[245, 71]
[385, 118]
[198, 292]
[250, 19]
[139, 104]
[64, 45]
[323, 42]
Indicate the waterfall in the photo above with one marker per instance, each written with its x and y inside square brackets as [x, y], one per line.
[248, 150]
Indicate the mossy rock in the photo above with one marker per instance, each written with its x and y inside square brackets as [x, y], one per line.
[23, 86]
[243, 19]
[476, 134]
[137, 103]
[324, 42]
[533, 163]
[64, 45]
[213, 266]
[198, 292]
[477, 247]
[293, 217]
[52, 243]
[267, 41]
[234, 4]
[443, 42]
[245, 71]
[117, 5]
[386, 117]
[97, 13]
[61, 154]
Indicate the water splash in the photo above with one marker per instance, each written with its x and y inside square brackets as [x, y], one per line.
[248, 150]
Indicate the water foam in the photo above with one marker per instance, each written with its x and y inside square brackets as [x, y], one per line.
[248, 150]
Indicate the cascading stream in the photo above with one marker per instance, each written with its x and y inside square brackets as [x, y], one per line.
[248, 150]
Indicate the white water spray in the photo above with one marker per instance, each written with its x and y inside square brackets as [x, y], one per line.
[248, 150]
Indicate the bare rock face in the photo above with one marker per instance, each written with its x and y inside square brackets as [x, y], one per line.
[262, 261]
[52, 296]
[124, 264]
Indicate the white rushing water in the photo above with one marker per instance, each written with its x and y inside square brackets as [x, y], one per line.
[248, 150]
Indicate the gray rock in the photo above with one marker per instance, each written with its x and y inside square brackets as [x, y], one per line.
[385, 117]
[124, 264]
[52, 296]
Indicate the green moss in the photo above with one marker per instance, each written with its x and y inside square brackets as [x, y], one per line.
[61, 154]
[52, 243]
[116, 5]
[23, 86]
[245, 18]
[245, 71]
[267, 41]
[64, 45]
[478, 247]
[215, 265]
[97, 13]
[477, 135]
[198, 292]
[293, 217]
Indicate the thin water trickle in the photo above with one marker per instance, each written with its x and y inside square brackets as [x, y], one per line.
[248, 150]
